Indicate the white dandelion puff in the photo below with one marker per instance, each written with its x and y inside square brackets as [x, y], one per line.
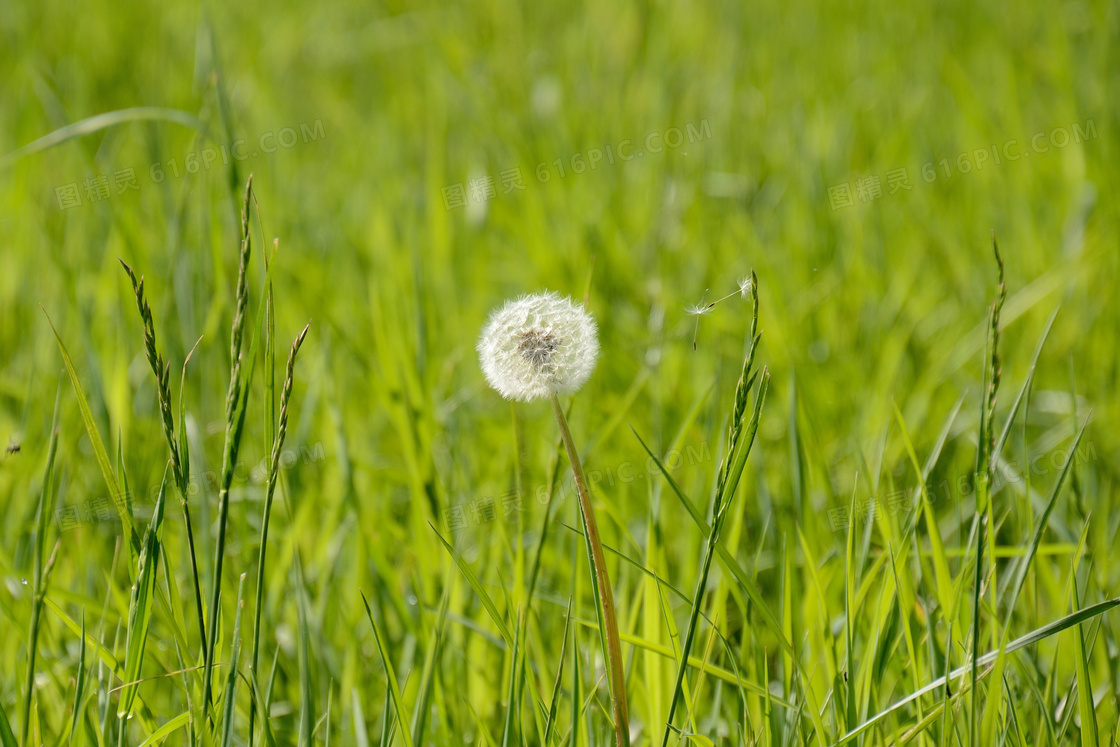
[538, 346]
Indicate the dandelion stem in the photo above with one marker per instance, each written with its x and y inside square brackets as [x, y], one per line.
[608, 620]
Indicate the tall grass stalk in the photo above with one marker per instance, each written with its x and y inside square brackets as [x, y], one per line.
[235, 421]
[273, 475]
[740, 439]
[180, 458]
[41, 573]
[984, 448]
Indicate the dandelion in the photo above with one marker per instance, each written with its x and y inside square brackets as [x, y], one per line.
[538, 346]
[543, 346]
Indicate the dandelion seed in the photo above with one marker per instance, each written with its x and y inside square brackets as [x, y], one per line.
[746, 285]
[699, 309]
[538, 346]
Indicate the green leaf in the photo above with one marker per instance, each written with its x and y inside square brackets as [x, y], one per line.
[306, 717]
[140, 605]
[427, 677]
[475, 584]
[266, 728]
[1029, 639]
[103, 653]
[167, 729]
[99, 122]
[184, 444]
[559, 675]
[509, 726]
[394, 688]
[1024, 563]
[7, 738]
[712, 542]
[1089, 736]
[80, 684]
[100, 454]
[230, 695]
[361, 736]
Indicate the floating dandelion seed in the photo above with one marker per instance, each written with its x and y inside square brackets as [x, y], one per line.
[746, 287]
[699, 309]
[538, 346]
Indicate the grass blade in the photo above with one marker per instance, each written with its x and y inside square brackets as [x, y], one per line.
[1089, 734]
[119, 498]
[1024, 563]
[306, 706]
[40, 576]
[549, 723]
[735, 471]
[230, 695]
[475, 584]
[600, 585]
[80, 683]
[167, 729]
[7, 738]
[100, 122]
[394, 688]
[509, 727]
[427, 677]
[1024, 641]
[140, 604]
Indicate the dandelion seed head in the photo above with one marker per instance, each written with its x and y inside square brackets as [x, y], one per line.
[538, 345]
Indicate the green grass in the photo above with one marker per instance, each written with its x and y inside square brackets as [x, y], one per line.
[373, 548]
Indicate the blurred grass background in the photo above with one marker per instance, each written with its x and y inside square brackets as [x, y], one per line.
[393, 106]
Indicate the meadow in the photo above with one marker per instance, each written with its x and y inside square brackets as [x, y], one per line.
[256, 488]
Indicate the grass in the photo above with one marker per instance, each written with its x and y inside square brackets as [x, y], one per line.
[851, 508]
